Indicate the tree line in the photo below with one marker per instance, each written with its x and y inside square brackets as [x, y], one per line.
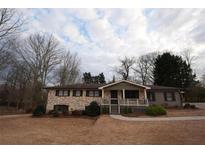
[165, 69]
[28, 64]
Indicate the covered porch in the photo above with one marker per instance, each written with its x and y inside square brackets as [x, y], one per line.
[124, 93]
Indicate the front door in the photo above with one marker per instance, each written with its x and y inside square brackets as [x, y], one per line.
[114, 101]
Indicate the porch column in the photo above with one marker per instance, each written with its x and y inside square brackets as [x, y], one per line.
[103, 95]
[123, 95]
[145, 95]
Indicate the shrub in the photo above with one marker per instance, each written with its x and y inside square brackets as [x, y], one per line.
[127, 110]
[192, 106]
[55, 113]
[155, 110]
[39, 110]
[165, 105]
[29, 110]
[83, 112]
[77, 112]
[187, 106]
[50, 112]
[104, 110]
[93, 109]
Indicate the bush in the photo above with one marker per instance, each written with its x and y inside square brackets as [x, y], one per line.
[105, 110]
[55, 113]
[93, 109]
[83, 112]
[29, 110]
[39, 110]
[50, 112]
[155, 110]
[77, 112]
[127, 110]
[187, 106]
[192, 106]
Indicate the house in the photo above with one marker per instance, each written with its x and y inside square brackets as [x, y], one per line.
[115, 96]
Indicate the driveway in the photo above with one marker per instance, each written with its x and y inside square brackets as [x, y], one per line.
[14, 116]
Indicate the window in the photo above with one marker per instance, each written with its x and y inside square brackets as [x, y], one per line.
[169, 96]
[77, 93]
[131, 94]
[65, 93]
[62, 92]
[97, 93]
[93, 93]
[151, 96]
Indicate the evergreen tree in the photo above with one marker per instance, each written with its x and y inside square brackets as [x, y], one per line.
[172, 70]
[101, 78]
[88, 78]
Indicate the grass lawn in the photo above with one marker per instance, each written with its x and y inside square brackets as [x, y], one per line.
[172, 113]
[104, 130]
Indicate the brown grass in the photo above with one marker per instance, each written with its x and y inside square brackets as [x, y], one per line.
[27, 130]
[172, 113]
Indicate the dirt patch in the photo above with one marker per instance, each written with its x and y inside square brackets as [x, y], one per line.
[104, 130]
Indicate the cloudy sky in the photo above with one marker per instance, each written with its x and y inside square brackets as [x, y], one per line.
[102, 36]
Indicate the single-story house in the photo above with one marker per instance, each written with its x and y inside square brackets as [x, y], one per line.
[114, 96]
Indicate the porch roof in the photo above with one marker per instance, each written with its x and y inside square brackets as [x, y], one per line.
[124, 81]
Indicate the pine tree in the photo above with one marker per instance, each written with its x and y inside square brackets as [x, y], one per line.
[172, 70]
[101, 78]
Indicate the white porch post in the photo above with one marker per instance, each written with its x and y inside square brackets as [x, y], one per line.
[123, 95]
[103, 95]
[145, 95]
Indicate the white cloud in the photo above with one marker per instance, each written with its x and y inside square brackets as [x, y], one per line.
[102, 36]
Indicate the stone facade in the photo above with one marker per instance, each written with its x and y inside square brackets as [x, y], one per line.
[79, 103]
[74, 102]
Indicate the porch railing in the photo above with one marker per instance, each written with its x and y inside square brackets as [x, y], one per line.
[128, 102]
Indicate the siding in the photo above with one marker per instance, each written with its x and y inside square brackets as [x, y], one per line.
[159, 99]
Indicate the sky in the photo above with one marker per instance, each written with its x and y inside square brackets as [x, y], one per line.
[101, 37]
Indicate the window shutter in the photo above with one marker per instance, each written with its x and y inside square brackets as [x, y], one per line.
[57, 92]
[173, 96]
[74, 92]
[165, 96]
[87, 93]
[100, 93]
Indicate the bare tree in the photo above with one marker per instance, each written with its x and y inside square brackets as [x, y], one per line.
[124, 69]
[18, 81]
[41, 53]
[187, 54]
[203, 80]
[144, 66]
[68, 71]
[11, 22]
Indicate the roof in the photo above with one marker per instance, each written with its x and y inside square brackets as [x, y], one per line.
[121, 81]
[101, 86]
[156, 87]
[77, 86]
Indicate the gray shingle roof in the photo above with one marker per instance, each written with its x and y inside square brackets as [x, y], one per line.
[96, 86]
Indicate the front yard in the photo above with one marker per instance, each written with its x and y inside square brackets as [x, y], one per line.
[172, 113]
[104, 130]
